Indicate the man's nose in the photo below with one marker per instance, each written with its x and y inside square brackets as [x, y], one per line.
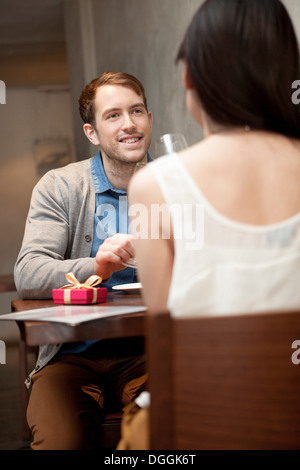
[128, 122]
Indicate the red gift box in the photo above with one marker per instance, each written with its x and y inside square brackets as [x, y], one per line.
[79, 296]
[76, 293]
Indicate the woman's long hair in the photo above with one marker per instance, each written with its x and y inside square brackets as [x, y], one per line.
[242, 58]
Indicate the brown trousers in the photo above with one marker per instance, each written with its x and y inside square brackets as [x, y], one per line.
[71, 395]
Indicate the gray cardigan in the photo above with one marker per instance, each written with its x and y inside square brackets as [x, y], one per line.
[58, 237]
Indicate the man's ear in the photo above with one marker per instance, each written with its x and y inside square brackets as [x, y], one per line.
[150, 117]
[186, 79]
[91, 133]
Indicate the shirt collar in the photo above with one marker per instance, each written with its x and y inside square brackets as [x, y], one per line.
[101, 182]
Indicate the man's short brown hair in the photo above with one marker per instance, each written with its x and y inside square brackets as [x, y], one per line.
[87, 97]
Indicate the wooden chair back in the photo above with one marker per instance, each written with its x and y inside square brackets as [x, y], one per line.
[224, 382]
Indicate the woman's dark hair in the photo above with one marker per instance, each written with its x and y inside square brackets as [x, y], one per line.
[242, 58]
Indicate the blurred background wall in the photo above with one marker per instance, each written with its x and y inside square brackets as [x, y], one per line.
[49, 50]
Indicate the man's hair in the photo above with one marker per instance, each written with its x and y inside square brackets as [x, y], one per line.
[242, 58]
[87, 98]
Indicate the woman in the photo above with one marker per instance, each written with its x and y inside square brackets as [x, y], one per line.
[235, 244]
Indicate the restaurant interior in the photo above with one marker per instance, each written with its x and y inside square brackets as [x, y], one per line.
[49, 50]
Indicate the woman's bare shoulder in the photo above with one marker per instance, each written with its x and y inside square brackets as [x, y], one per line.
[143, 187]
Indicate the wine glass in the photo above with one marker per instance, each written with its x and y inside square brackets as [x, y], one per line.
[170, 143]
[166, 144]
[139, 166]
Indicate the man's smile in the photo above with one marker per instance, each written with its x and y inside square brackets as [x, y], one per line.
[129, 140]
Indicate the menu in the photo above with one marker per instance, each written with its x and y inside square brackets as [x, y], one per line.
[71, 314]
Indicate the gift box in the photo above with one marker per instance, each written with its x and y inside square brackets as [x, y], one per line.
[80, 293]
[79, 296]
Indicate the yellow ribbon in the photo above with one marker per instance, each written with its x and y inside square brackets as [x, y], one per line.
[75, 284]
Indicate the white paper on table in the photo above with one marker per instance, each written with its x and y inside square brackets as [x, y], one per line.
[71, 314]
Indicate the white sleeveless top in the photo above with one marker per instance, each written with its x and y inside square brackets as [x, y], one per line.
[222, 266]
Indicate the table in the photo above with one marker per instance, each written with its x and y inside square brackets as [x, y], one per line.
[36, 333]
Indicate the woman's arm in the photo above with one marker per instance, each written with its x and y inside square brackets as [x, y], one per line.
[151, 228]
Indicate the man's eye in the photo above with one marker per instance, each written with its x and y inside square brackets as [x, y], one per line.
[137, 111]
[112, 116]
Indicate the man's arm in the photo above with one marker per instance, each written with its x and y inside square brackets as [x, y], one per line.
[54, 243]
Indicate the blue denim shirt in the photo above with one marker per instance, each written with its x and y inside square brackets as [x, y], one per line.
[111, 217]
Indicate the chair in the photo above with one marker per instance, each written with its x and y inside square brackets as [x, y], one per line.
[224, 382]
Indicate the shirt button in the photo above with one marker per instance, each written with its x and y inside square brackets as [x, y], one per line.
[88, 238]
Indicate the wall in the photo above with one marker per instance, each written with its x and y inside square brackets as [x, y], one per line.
[293, 7]
[139, 37]
[28, 115]
[80, 43]
[143, 40]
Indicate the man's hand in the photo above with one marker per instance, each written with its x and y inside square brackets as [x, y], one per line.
[112, 253]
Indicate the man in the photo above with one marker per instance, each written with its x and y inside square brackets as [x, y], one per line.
[76, 217]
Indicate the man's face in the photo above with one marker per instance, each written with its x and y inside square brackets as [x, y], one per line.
[123, 126]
